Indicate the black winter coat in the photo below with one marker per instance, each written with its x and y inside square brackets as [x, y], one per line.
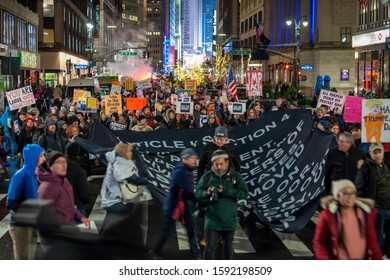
[77, 177]
[340, 165]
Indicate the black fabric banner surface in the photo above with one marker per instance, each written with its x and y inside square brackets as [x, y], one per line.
[282, 161]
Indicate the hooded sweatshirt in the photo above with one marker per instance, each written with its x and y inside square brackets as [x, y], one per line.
[24, 184]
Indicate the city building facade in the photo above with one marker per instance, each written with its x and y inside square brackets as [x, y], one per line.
[20, 62]
[372, 54]
[155, 33]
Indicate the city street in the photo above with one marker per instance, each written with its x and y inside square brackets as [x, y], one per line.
[250, 242]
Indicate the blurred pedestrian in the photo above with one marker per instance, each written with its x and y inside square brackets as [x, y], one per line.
[23, 186]
[181, 187]
[346, 226]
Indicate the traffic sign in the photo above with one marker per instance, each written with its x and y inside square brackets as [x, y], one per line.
[129, 53]
[240, 52]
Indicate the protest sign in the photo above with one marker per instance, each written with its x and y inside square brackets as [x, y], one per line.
[135, 103]
[237, 108]
[202, 120]
[254, 83]
[115, 89]
[335, 101]
[191, 86]
[185, 107]
[375, 120]
[21, 97]
[114, 125]
[113, 103]
[144, 84]
[353, 109]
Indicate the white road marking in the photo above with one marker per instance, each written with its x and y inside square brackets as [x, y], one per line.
[296, 247]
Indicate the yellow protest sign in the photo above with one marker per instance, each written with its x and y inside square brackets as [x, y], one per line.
[113, 104]
[91, 103]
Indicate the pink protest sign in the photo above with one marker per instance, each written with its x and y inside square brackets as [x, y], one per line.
[353, 109]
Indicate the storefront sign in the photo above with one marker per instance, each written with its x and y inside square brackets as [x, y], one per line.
[28, 60]
[370, 38]
[306, 67]
[81, 66]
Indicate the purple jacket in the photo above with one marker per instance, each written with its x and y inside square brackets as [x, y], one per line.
[60, 191]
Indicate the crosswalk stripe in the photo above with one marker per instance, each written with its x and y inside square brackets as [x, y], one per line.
[241, 242]
[296, 247]
[98, 213]
[4, 225]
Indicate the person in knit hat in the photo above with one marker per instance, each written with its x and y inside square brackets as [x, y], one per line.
[26, 135]
[346, 227]
[219, 190]
[77, 176]
[55, 186]
[178, 205]
[50, 139]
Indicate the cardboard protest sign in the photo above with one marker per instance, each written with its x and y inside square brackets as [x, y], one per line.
[237, 108]
[335, 101]
[21, 97]
[375, 120]
[185, 107]
[254, 83]
[135, 103]
[81, 102]
[113, 103]
[223, 99]
[353, 109]
[191, 86]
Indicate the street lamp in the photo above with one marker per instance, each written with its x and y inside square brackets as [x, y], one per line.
[305, 23]
[90, 46]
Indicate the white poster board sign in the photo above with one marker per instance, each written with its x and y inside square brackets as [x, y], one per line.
[144, 84]
[21, 97]
[376, 120]
[335, 101]
[237, 108]
[185, 107]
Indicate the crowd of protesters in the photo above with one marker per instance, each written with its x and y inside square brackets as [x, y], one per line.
[53, 123]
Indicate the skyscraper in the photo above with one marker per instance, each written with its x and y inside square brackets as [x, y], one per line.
[208, 8]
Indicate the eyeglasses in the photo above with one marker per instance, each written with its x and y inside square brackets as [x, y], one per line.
[348, 193]
[62, 162]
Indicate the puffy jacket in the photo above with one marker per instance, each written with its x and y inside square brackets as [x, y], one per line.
[181, 178]
[60, 192]
[221, 215]
[118, 169]
[24, 184]
[326, 241]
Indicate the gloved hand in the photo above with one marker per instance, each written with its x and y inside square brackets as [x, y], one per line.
[142, 181]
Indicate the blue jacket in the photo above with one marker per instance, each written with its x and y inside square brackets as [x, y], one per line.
[181, 178]
[24, 184]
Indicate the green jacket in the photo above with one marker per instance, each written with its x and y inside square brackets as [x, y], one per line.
[221, 215]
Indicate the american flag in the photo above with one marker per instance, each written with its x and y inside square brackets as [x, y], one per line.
[232, 84]
[259, 31]
[364, 3]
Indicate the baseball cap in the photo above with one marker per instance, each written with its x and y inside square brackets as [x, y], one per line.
[376, 146]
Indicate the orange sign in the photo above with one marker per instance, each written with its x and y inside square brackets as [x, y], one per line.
[79, 93]
[116, 83]
[135, 103]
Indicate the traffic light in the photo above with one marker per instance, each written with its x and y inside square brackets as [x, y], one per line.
[145, 54]
[68, 66]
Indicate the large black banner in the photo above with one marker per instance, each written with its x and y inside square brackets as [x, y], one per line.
[282, 161]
